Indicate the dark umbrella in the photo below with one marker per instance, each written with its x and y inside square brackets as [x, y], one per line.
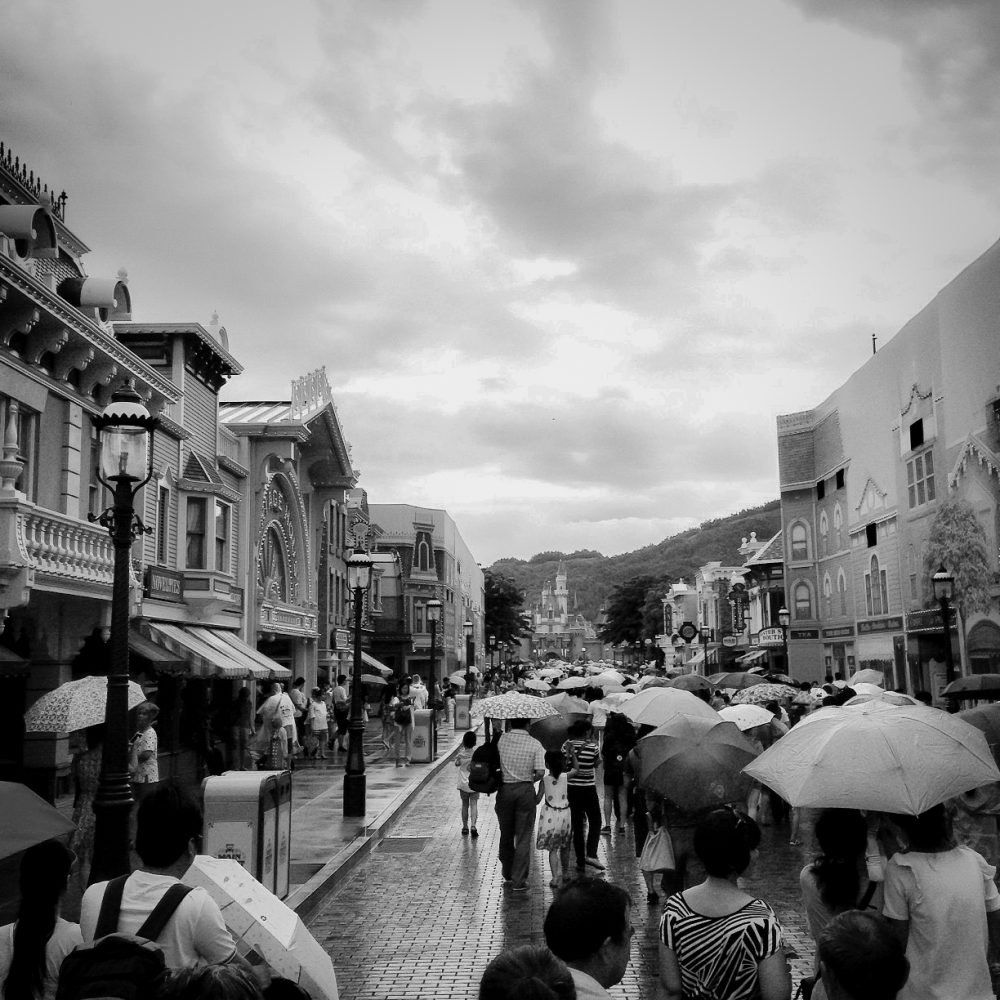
[987, 719]
[736, 680]
[696, 762]
[985, 686]
[553, 732]
[692, 682]
[27, 819]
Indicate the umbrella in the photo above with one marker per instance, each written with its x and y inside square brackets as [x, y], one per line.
[611, 702]
[553, 732]
[258, 920]
[696, 763]
[546, 672]
[889, 697]
[457, 678]
[692, 682]
[607, 677]
[534, 685]
[75, 705]
[898, 759]
[571, 683]
[746, 716]
[986, 718]
[513, 705]
[372, 679]
[655, 682]
[27, 819]
[985, 686]
[655, 706]
[565, 703]
[761, 694]
[806, 698]
[737, 679]
[868, 676]
[865, 688]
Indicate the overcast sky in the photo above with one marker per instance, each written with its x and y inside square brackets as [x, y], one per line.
[564, 261]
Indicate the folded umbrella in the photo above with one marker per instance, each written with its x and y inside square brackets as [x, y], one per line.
[27, 819]
[512, 705]
[655, 706]
[75, 705]
[261, 922]
[897, 759]
[696, 763]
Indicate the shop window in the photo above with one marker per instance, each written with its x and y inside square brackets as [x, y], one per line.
[920, 479]
[195, 558]
[802, 598]
[222, 522]
[799, 541]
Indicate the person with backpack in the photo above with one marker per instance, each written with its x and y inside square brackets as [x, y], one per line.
[469, 796]
[34, 946]
[522, 764]
[168, 832]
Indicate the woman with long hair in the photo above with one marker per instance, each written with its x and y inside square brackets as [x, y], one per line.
[619, 738]
[941, 901]
[33, 947]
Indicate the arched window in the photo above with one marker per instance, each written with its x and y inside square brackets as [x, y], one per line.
[824, 529]
[827, 596]
[842, 590]
[272, 576]
[802, 598]
[838, 527]
[800, 541]
[876, 589]
[424, 554]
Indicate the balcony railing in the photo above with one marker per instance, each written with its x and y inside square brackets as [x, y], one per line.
[60, 545]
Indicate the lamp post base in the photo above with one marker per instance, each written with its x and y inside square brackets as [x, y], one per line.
[355, 794]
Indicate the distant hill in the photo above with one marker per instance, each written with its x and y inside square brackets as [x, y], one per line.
[591, 576]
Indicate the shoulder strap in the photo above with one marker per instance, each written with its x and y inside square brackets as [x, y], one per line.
[163, 911]
[867, 897]
[111, 904]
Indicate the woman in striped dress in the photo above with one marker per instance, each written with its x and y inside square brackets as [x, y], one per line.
[716, 941]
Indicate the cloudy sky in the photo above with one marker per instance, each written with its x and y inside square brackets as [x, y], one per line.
[564, 261]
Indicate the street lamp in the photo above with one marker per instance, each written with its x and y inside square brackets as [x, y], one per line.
[783, 619]
[944, 590]
[126, 430]
[493, 647]
[359, 576]
[649, 643]
[470, 648]
[706, 634]
[433, 616]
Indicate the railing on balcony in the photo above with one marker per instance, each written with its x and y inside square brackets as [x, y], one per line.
[228, 445]
[60, 545]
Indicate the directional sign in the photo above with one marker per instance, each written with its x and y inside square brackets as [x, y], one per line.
[770, 637]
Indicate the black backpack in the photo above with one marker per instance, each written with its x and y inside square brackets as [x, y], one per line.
[484, 769]
[122, 966]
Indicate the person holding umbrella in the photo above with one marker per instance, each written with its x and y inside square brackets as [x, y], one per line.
[522, 763]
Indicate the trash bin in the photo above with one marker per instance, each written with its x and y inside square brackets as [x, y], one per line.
[422, 748]
[241, 820]
[283, 867]
[463, 706]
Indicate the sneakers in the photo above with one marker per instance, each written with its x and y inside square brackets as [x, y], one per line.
[475, 833]
[594, 863]
[465, 831]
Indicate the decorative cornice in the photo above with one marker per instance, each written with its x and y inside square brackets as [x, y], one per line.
[915, 394]
[974, 447]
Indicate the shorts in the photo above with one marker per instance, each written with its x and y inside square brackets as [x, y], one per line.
[469, 796]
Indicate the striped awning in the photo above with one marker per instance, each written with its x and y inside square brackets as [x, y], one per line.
[752, 656]
[274, 669]
[369, 661]
[218, 640]
[161, 657]
[203, 659]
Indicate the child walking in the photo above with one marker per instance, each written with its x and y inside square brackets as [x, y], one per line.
[277, 751]
[470, 799]
[555, 832]
[657, 856]
[316, 730]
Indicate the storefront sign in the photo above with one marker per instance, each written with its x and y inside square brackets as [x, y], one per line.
[164, 584]
[803, 633]
[729, 640]
[841, 632]
[770, 637]
[926, 621]
[894, 624]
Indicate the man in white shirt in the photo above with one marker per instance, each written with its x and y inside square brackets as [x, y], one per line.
[589, 926]
[280, 703]
[167, 832]
[341, 711]
[301, 703]
[418, 692]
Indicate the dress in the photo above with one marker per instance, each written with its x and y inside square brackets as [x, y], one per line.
[945, 896]
[145, 772]
[555, 831]
[718, 956]
[87, 775]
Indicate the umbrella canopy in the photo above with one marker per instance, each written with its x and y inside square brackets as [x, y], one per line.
[986, 719]
[258, 920]
[746, 716]
[27, 819]
[513, 705]
[457, 678]
[761, 694]
[655, 706]
[736, 680]
[865, 688]
[692, 682]
[806, 698]
[565, 703]
[547, 672]
[867, 676]
[654, 682]
[536, 685]
[607, 677]
[75, 705]
[372, 679]
[985, 686]
[696, 762]
[889, 697]
[553, 732]
[572, 683]
[611, 702]
[899, 759]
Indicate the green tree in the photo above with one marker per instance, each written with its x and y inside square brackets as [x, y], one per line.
[957, 542]
[629, 609]
[504, 607]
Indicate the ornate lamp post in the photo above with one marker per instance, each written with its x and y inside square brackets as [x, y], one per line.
[944, 591]
[433, 616]
[649, 649]
[706, 634]
[359, 576]
[470, 645]
[783, 619]
[493, 647]
[126, 430]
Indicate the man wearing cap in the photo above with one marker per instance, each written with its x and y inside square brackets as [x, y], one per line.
[522, 764]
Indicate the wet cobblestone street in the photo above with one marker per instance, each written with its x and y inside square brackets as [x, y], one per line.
[424, 913]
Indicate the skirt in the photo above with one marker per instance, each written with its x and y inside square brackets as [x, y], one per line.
[554, 829]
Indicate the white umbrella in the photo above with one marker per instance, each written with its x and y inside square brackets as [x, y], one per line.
[258, 920]
[655, 706]
[512, 705]
[75, 705]
[888, 697]
[867, 676]
[607, 677]
[612, 702]
[572, 683]
[746, 716]
[897, 759]
[546, 672]
[863, 688]
[567, 704]
[536, 685]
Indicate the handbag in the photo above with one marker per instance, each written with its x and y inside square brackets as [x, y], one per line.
[658, 852]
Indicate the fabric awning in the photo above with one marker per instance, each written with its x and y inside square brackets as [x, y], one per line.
[218, 641]
[370, 661]
[695, 660]
[752, 656]
[274, 669]
[203, 659]
[161, 657]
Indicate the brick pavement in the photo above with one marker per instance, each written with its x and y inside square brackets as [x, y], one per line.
[423, 914]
